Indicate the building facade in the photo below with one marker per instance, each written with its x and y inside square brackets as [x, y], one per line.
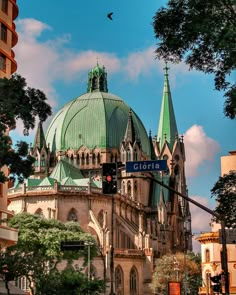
[210, 244]
[8, 39]
[148, 220]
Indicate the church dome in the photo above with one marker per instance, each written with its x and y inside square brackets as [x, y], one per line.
[94, 119]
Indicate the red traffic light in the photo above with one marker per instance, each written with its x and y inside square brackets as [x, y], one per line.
[109, 178]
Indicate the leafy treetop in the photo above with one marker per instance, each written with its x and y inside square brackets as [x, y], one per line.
[18, 101]
[202, 34]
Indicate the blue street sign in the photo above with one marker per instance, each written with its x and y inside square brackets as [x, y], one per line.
[144, 166]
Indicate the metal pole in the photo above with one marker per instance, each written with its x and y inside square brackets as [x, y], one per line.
[88, 265]
[224, 257]
[224, 261]
[112, 247]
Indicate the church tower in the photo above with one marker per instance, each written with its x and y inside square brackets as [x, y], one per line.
[169, 146]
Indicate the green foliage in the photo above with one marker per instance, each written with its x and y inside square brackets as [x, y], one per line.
[202, 34]
[17, 101]
[69, 281]
[38, 250]
[224, 191]
[189, 272]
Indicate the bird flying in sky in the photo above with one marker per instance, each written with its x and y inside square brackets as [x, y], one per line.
[109, 15]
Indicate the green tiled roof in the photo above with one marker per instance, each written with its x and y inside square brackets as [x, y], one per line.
[47, 181]
[93, 119]
[67, 181]
[167, 129]
[64, 169]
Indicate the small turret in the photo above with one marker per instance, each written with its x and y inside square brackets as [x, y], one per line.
[97, 79]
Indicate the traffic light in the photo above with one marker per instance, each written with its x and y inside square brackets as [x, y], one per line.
[109, 178]
[216, 283]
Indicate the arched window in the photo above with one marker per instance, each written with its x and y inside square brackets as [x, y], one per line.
[135, 155]
[42, 161]
[133, 281]
[82, 159]
[93, 159]
[87, 159]
[72, 216]
[129, 189]
[135, 191]
[128, 155]
[207, 255]
[39, 212]
[99, 158]
[36, 163]
[119, 281]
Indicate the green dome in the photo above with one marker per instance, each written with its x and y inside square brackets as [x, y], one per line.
[94, 119]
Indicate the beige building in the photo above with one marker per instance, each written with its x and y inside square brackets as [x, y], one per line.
[8, 39]
[148, 221]
[211, 248]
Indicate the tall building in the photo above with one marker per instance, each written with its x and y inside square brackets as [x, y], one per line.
[148, 220]
[210, 244]
[8, 39]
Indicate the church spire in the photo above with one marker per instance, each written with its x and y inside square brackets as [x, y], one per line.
[39, 140]
[167, 129]
[97, 79]
[130, 131]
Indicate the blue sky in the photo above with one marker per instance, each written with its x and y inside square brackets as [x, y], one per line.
[60, 41]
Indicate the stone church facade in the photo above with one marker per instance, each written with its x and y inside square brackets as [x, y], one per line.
[148, 220]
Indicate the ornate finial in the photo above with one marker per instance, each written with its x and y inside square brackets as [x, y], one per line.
[150, 133]
[166, 69]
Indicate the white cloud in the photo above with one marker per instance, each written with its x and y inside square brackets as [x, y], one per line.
[200, 149]
[200, 220]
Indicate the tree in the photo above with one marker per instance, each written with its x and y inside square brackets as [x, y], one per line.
[18, 101]
[189, 272]
[202, 34]
[37, 253]
[224, 191]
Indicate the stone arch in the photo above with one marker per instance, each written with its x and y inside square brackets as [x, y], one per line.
[119, 281]
[39, 212]
[72, 215]
[133, 286]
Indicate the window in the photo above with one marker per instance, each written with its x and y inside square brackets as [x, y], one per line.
[2, 62]
[207, 255]
[3, 35]
[72, 216]
[119, 281]
[22, 283]
[4, 5]
[133, 282]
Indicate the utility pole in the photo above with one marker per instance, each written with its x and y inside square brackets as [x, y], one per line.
[224, 259]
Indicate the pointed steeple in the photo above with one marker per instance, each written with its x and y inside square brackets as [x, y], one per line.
[153, 155]
[130, 131]
[97, 79]
[39, 140]
[167, 129]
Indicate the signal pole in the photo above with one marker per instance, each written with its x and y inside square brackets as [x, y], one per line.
[112, 246]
